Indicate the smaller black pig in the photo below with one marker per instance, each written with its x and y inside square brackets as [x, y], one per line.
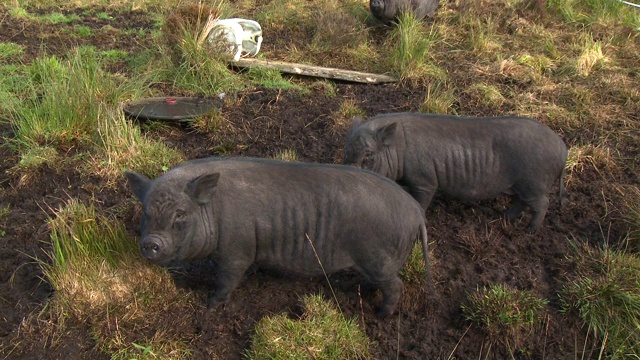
[468, 158]
[299, 217]
[388, 10]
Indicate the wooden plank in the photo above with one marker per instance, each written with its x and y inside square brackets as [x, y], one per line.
[316, 71]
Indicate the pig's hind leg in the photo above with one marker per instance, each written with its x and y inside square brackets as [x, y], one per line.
[539, 203]
[391, 290]
[539, 206]
[517, 207]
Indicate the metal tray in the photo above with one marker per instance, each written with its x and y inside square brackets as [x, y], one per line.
[170, 108]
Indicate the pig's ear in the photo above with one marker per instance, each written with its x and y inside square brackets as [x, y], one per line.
[355, 123]
[385, 134]
[201, 188]
[138, 184]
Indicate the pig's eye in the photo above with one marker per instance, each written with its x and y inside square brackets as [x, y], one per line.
[180, 216]
[368, 158]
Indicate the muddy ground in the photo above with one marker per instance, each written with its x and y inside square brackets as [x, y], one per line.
[471, 246]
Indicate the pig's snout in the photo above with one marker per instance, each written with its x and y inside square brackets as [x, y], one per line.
[151, 248]
[376, 5]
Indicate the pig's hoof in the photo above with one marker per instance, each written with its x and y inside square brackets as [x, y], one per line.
[384, 312]
[532, 229]
[366, 287]
[213, 304]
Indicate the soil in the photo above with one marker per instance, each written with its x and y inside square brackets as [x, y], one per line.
[471, 246]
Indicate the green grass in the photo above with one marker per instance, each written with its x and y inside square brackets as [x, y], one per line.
[83, 31]
[487, 95]
[507, 315]
[19, 12]
[144, 154]
[11, 79]
[136, 32]
[321, 332]
[34, 157]
[439, 98]
[4, 213]
[10, 50]
[631, 215]
[414, 271]
[114, 55]
[100, 280]
[271, 79]
[56, 18]
[576, 70]
[63, 99]
[332, 26]
[188, 62]
[292, 13]
[605, 293]
[411, 45]
[483, 39]
[73, 101]
[208, 123]
[596, 11]
[104, 16]
[343, 117]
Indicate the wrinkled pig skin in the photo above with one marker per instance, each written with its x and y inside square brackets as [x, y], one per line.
[388, 11]
[468, 158]
[299, 217]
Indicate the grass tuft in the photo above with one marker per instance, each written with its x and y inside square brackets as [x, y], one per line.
[483, 39]
[582, 157]
[100, 281]
[439, 98]
[606, 296]
[190, 62]
[287, 155]
[321, 332]
[591, 59]
[9, 50]
[605, 12]
[414, 270]
[210, 122]
[37, 156]
[342, 117]
[506, 314]
[335, 27]
[57, 18]
[271, 79]
[144, 154]
[487, 95]
[631, 215]
[62, 100]
[410, 45]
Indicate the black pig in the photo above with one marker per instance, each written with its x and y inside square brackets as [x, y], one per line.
[388, 10]
[467, 158]
[298, 217]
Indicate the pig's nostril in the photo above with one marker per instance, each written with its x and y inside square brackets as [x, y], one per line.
[150, 249]
[153, 247]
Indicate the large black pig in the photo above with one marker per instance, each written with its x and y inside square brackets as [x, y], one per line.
[469, 158]
[388, 10]
[298, 217]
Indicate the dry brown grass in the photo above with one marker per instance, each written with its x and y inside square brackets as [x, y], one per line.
[598, 158]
